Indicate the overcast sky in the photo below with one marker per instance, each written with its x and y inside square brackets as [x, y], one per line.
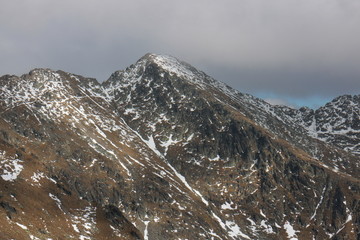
[301, 52]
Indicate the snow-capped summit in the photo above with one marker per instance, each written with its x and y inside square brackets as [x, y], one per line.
[174, 66]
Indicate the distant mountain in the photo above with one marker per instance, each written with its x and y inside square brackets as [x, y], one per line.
[162, 151]
[338, 122]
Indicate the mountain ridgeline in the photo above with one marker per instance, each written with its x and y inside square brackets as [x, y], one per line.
[163, 151]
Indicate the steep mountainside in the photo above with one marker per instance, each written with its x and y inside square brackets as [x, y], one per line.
[163, 151]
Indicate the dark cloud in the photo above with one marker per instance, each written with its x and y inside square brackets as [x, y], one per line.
[288, 48]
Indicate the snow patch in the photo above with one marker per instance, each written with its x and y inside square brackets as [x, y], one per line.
[37, 176]
[235, 231]
[146, 233]
[22, 226]
[84, 222]
[267, 228]
[217, 158]
[11, 167]
[57, 200]
[227, 206]
[290, 231]
[168, 143]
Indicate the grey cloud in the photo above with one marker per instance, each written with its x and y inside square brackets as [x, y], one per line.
[287, 47]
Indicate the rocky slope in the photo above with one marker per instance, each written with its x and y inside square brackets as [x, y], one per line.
[163, 151]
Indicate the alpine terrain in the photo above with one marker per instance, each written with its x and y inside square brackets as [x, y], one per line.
[162, 151]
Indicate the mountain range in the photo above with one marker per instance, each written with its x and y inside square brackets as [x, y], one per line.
[161, 150]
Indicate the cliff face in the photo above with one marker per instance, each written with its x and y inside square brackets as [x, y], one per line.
[163, 151]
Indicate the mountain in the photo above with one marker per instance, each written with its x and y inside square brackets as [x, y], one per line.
[162, 151]
[338, 122]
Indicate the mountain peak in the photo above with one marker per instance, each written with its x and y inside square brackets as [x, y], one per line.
[153, 67]
[41, 71]
[172, 65]
[346, 99]
[159, 58]
[156, 66]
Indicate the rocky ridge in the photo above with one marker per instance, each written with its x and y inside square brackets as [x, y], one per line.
[338, 122]
[163, 151]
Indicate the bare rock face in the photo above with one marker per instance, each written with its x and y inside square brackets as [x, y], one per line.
[163, 151]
